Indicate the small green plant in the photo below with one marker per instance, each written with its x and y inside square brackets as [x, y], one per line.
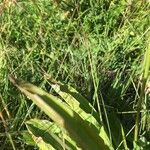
[74, 116]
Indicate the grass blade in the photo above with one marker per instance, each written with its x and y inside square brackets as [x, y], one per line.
[143, 87]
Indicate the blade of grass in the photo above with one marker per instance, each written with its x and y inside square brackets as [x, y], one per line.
[7, 133]
[146, 67]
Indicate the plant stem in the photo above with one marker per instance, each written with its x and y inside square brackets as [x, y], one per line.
[142, 94]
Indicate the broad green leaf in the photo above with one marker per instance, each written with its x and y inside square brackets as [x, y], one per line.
[41, 144]
[46, 134]
[84, 134]
[74, 100]
[27, 138]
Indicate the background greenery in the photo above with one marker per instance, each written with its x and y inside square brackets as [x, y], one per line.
[96, 46]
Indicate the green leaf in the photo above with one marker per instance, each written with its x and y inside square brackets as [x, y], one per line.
[80, 105]
[74, 98]
[27, 138]
[84, 134]
[48, 135]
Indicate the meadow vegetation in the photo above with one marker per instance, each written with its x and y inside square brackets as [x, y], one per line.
[99, 47]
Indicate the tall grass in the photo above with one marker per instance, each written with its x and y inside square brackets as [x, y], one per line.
[141, 104]
[95, 46]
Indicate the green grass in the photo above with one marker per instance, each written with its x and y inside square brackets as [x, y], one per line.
[97, 47]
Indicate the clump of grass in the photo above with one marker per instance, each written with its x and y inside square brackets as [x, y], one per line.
[97, 47]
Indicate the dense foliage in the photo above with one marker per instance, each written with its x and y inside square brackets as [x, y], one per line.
[95, 46]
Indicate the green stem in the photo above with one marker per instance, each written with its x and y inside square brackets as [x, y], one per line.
[142, 94]
[139, 107]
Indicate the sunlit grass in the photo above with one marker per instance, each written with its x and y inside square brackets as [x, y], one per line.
[97, 47]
